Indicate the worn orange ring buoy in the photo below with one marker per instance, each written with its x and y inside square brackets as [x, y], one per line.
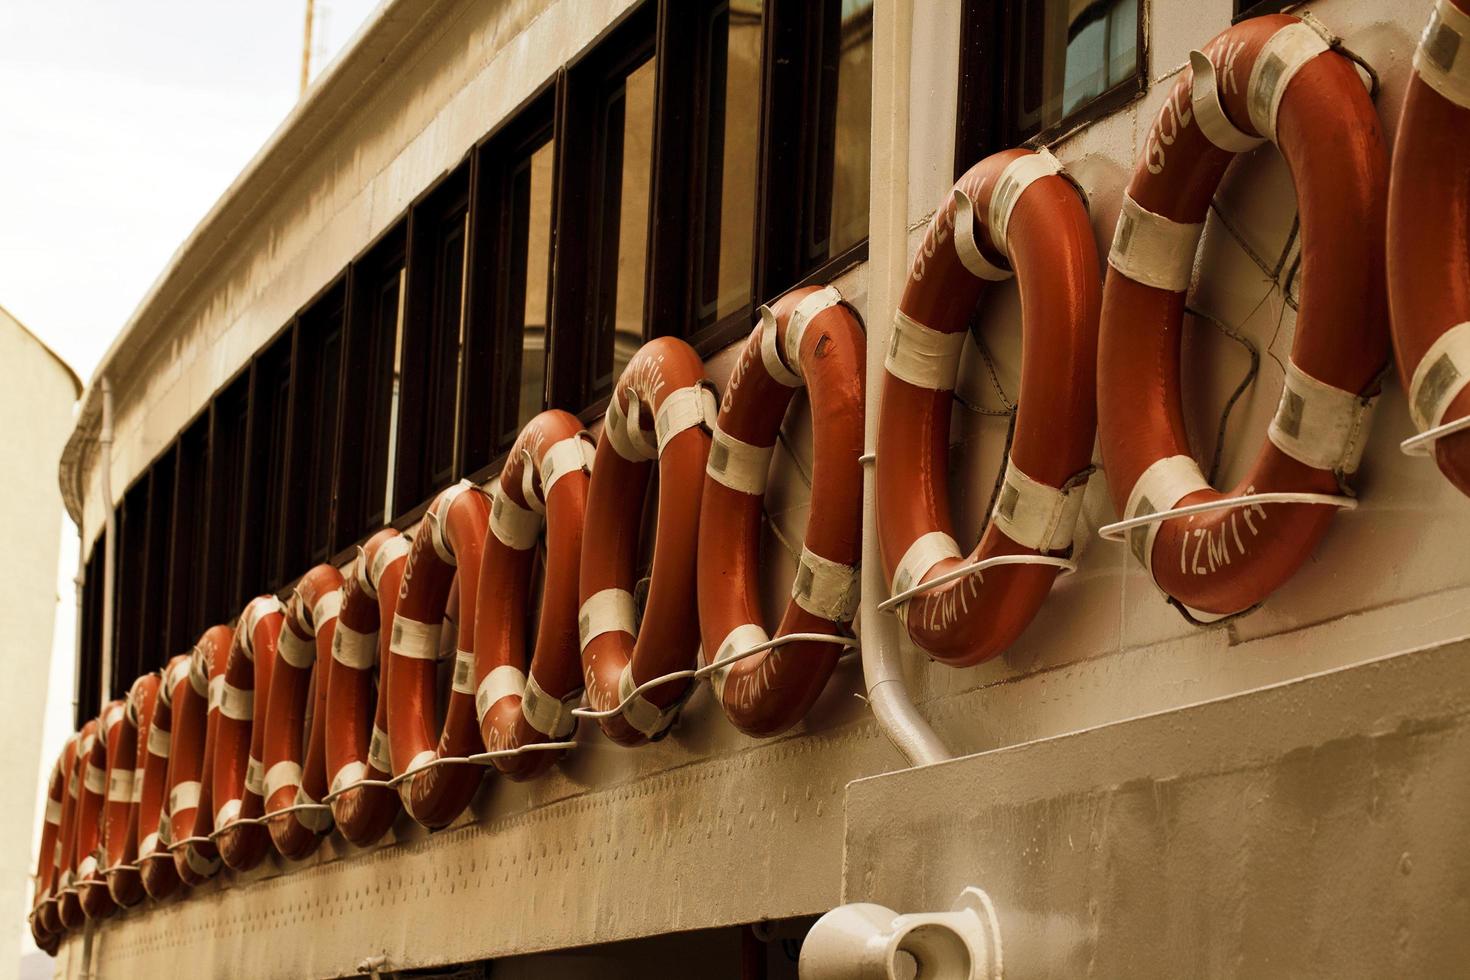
[1428, 289]
[155, 722]
[239, 778]
[45, 927]
[356, 740]
[296, 768]
[662, 408]
[768, 692]
[547, 473]
[1013, 210]
[69, 902]
[1268, 77]
[195, 723]
[92, 889]
[447, 550]
[120, 813]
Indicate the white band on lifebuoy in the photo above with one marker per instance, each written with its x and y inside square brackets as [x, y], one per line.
[922, 356]
[1035, 515]
[801, 317]
[72, 785]
[295, 651]
[965, 246]
[200, 864]
[1319, 425]
[464, 672]
[685, 408]
[550, 716]
[770, 355]
[1442, 373]
[216, 691]
[1166, 481]
[148, 846]
[501, 682]
[1442, 59]
[326, 609]
[137, 786]
[625, 432]
[438, 518]
[1209, 113]
[351, 772]
[254, 776]
[378, 756]
[388, 552]
[317, 820]
[176, 674]
[1152, 249]
[415, 640]
[258, 609]
[226, 814]
[282, 774]
[120, 786]
[199, 673]
[95, 779]
[417, 763]
[1280, 58]
[928, 550]
[739, 465]
[53, 810]
[159, 739]
[354, 649]
[1018, 175]
[184, 796]
[236, 702]
[562, 458]
[86, 867]
[737, 641]
[639, 712]
[514, 526]
[825, 588]
[109, 718]
[611, 610]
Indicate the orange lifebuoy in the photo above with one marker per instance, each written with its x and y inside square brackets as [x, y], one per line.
[296, 768]
[662, 408]
[1266, 78]
[69, 902]
[807, 337]
[546, 474]
[1015, 210]
[155, 723]
[357, 717]
[45, 928]
[194, 723]
[125, 757]
[447, 550]
[1428, 289]
[92, 888]
[239, 779]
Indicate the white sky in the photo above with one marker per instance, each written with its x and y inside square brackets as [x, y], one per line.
[120, 125]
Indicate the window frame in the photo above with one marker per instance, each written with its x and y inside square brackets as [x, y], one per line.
[310, 506]
[987, 86]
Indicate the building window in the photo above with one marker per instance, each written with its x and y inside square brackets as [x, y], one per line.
[229, 421]
[88, 698]
[603, 221]
[313, 430]
[433, 327]
[1259, 8]
[132, 570]
[1032, 69]
[508, 320]
[188, 561]
[374, 316]
[262, 560]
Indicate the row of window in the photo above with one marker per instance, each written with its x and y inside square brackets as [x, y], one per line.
[701, 158]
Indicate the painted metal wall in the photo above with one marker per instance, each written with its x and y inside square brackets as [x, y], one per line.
[708, 827]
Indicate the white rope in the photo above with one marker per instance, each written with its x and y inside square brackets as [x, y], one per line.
[261, 820]
[710, 668]
[1423, 443]
[1115, 531]
[1067, 566]
[478, 759]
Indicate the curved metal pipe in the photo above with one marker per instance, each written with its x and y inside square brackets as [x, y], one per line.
[109, 545]
[887, 271]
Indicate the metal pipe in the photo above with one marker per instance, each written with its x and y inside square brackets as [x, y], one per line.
[887, 271]
[109, 545]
